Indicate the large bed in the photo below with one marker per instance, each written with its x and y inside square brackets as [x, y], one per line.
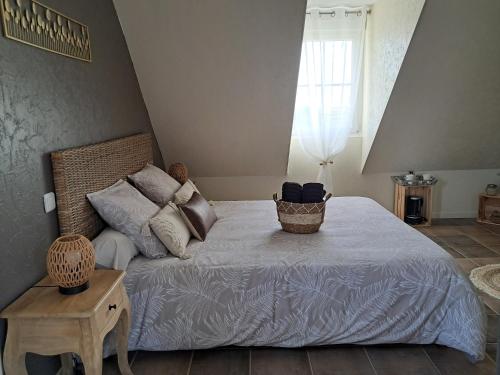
[365, 278]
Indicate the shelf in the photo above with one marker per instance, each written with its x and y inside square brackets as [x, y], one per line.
[488, 205]
[402, 192]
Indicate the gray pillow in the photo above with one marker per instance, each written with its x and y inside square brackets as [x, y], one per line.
[155, 184]
[125, 209]
[113, 250]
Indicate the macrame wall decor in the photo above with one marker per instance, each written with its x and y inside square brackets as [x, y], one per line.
[29, 22]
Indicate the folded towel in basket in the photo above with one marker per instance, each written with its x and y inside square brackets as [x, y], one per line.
[291, 192]
[313, 192]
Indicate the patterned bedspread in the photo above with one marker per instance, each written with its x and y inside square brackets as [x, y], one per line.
[364, 278]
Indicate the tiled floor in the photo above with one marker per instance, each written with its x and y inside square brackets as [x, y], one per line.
[471, 244]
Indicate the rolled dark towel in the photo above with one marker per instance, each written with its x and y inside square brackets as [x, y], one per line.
[313, 186]
[312, 198]
[291, 186]
[313, 192]
[291, 192]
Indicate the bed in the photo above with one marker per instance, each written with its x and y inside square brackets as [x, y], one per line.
[364, 278]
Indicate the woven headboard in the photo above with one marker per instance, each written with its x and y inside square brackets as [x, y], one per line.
[82, 170]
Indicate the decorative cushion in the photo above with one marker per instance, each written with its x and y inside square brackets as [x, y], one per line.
[179, 172]
[113, 250]
[125, 209]
[184, 194]
[198, 215]
[170, 228]
[155, 184]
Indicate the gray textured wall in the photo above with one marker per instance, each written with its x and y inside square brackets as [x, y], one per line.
[49, 102]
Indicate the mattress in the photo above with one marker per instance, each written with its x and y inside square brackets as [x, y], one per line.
[365, 278]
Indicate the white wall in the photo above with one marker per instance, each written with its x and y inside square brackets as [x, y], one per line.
[455, 195]
[242, 129]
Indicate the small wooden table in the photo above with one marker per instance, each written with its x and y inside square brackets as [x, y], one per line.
[43, 321]
[488, 202]
[401, 193]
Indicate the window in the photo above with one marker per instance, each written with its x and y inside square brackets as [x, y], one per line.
[330, 73]
[332, 81]
[327, 104]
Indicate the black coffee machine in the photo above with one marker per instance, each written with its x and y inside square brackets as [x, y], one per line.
[414, 206]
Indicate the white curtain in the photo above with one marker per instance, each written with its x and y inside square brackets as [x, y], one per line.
[328, 86]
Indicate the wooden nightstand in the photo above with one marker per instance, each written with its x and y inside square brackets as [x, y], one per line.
[43, 321]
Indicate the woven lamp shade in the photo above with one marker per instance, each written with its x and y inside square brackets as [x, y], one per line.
[179, 172]
[71, 262]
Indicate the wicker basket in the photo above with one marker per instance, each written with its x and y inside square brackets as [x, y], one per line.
[301, 218]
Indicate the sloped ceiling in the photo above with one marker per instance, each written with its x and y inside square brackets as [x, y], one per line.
[444, 111]
[219, 79]
[388, 35]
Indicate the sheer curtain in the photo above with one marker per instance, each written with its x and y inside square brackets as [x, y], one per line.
[328, 86]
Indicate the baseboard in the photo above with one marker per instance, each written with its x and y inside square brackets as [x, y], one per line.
[454, 215]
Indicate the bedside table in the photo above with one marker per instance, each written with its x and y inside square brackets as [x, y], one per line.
[43, 321]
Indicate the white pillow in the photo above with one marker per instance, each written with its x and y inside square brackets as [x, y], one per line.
[155, 184]
[113, 250]
[170, 228]
[125, 209]
[185, 193]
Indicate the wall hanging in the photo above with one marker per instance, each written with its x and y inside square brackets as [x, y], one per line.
[30, 22]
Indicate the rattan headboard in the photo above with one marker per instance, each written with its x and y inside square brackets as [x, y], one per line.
[82, 170]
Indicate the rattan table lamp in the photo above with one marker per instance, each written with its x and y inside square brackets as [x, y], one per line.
[70, 263]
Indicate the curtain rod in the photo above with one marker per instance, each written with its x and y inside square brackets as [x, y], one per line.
[347, 12]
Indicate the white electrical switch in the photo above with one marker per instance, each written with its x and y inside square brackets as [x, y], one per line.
[49, 202]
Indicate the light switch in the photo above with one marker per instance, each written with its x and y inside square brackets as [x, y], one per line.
[49, 202]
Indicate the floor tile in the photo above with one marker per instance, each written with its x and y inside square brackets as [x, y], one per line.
[485, 261]
[233, 361]
[397, 360]
[438, 240]
[495, 248]
[488, 309]
[492, 228]
[442, 222]
[475, 251]
[474, 230]
[491, 351]
[487, 239]
[466, 264]
[164, 363]
[445, 230]
[492, 303]
[453, 362]
[110, 364]
[464, 222]
[275, 361]
[349, 360]
[460, 240]
[452, 252]
[491, 333]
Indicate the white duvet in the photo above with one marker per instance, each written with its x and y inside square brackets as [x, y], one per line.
[364, 278]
